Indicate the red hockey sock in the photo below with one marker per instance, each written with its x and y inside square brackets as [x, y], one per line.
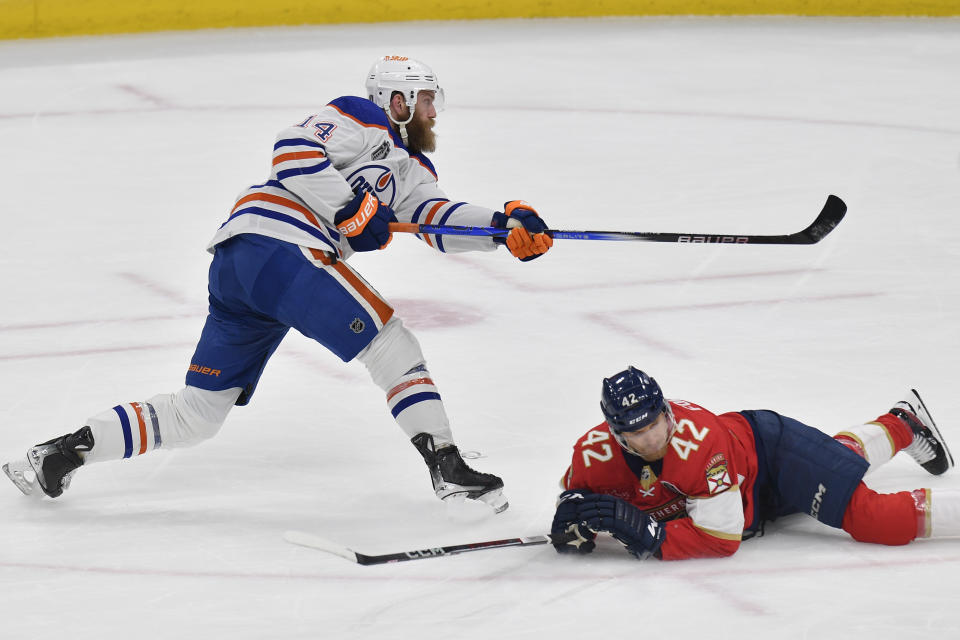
[886, 518]
[902, 434]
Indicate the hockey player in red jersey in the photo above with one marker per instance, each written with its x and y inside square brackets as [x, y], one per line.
[670, 479]
[338, 179]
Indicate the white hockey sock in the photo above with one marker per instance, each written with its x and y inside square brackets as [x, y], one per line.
[167, 420]
[943, 513]
[417, 407]
[872, 441]
[396, 364]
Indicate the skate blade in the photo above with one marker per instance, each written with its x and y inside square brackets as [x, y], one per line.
[23, 476]
[925, 413]
[496, 500]
[459, 501]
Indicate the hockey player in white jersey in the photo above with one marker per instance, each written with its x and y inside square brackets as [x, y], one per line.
[339, 178]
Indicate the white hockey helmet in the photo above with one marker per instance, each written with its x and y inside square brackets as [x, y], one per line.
[406, 75]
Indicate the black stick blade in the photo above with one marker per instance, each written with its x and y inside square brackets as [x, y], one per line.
[833, 212]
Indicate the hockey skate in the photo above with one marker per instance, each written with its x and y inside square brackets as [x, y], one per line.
[453, 479]
[928, 447]
[50, 465]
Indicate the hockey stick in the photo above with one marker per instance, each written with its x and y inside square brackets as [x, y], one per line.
[831, 215]
[316, 542]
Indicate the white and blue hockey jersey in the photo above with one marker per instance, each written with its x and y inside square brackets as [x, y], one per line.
[321, 163]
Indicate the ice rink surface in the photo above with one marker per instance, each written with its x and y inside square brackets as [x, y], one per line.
[122, 155]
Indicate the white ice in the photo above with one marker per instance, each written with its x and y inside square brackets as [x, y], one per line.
[121, 156]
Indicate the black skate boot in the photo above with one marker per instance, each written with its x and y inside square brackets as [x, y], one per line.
[50, 465]
[453, 479]
[928, 447]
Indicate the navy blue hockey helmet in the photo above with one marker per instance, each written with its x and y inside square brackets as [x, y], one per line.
[631, 400]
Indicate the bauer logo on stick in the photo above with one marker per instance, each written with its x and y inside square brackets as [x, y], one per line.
[714, 239]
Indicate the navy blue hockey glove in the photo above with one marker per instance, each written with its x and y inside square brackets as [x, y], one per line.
[568, 534]
[638, 532]
[526, 239]
[365, 222]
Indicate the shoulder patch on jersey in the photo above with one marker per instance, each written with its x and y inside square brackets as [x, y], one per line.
[381, 152]
[718, 477]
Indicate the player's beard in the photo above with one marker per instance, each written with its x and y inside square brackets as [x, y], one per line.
[420, 135]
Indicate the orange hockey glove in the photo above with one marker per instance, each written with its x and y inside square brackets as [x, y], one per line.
[526, 239]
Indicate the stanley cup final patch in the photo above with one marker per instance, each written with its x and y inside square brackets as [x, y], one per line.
[718, 478]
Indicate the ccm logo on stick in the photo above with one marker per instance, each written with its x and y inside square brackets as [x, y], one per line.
[426, 553]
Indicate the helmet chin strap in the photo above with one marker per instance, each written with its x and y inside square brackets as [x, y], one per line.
[402, 125]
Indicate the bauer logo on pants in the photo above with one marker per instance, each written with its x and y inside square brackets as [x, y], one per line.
[205, 371]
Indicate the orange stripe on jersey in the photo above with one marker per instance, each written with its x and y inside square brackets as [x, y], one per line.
[433, 211]
[297, 155]
[286, 202]
[360, 122]
[383, 310]
[322, 256]
[406, 385]
[143, 427]
[429, 218]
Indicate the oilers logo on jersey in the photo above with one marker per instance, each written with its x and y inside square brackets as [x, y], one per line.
[376, 179]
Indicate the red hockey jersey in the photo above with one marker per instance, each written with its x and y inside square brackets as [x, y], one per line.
[702, 488]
